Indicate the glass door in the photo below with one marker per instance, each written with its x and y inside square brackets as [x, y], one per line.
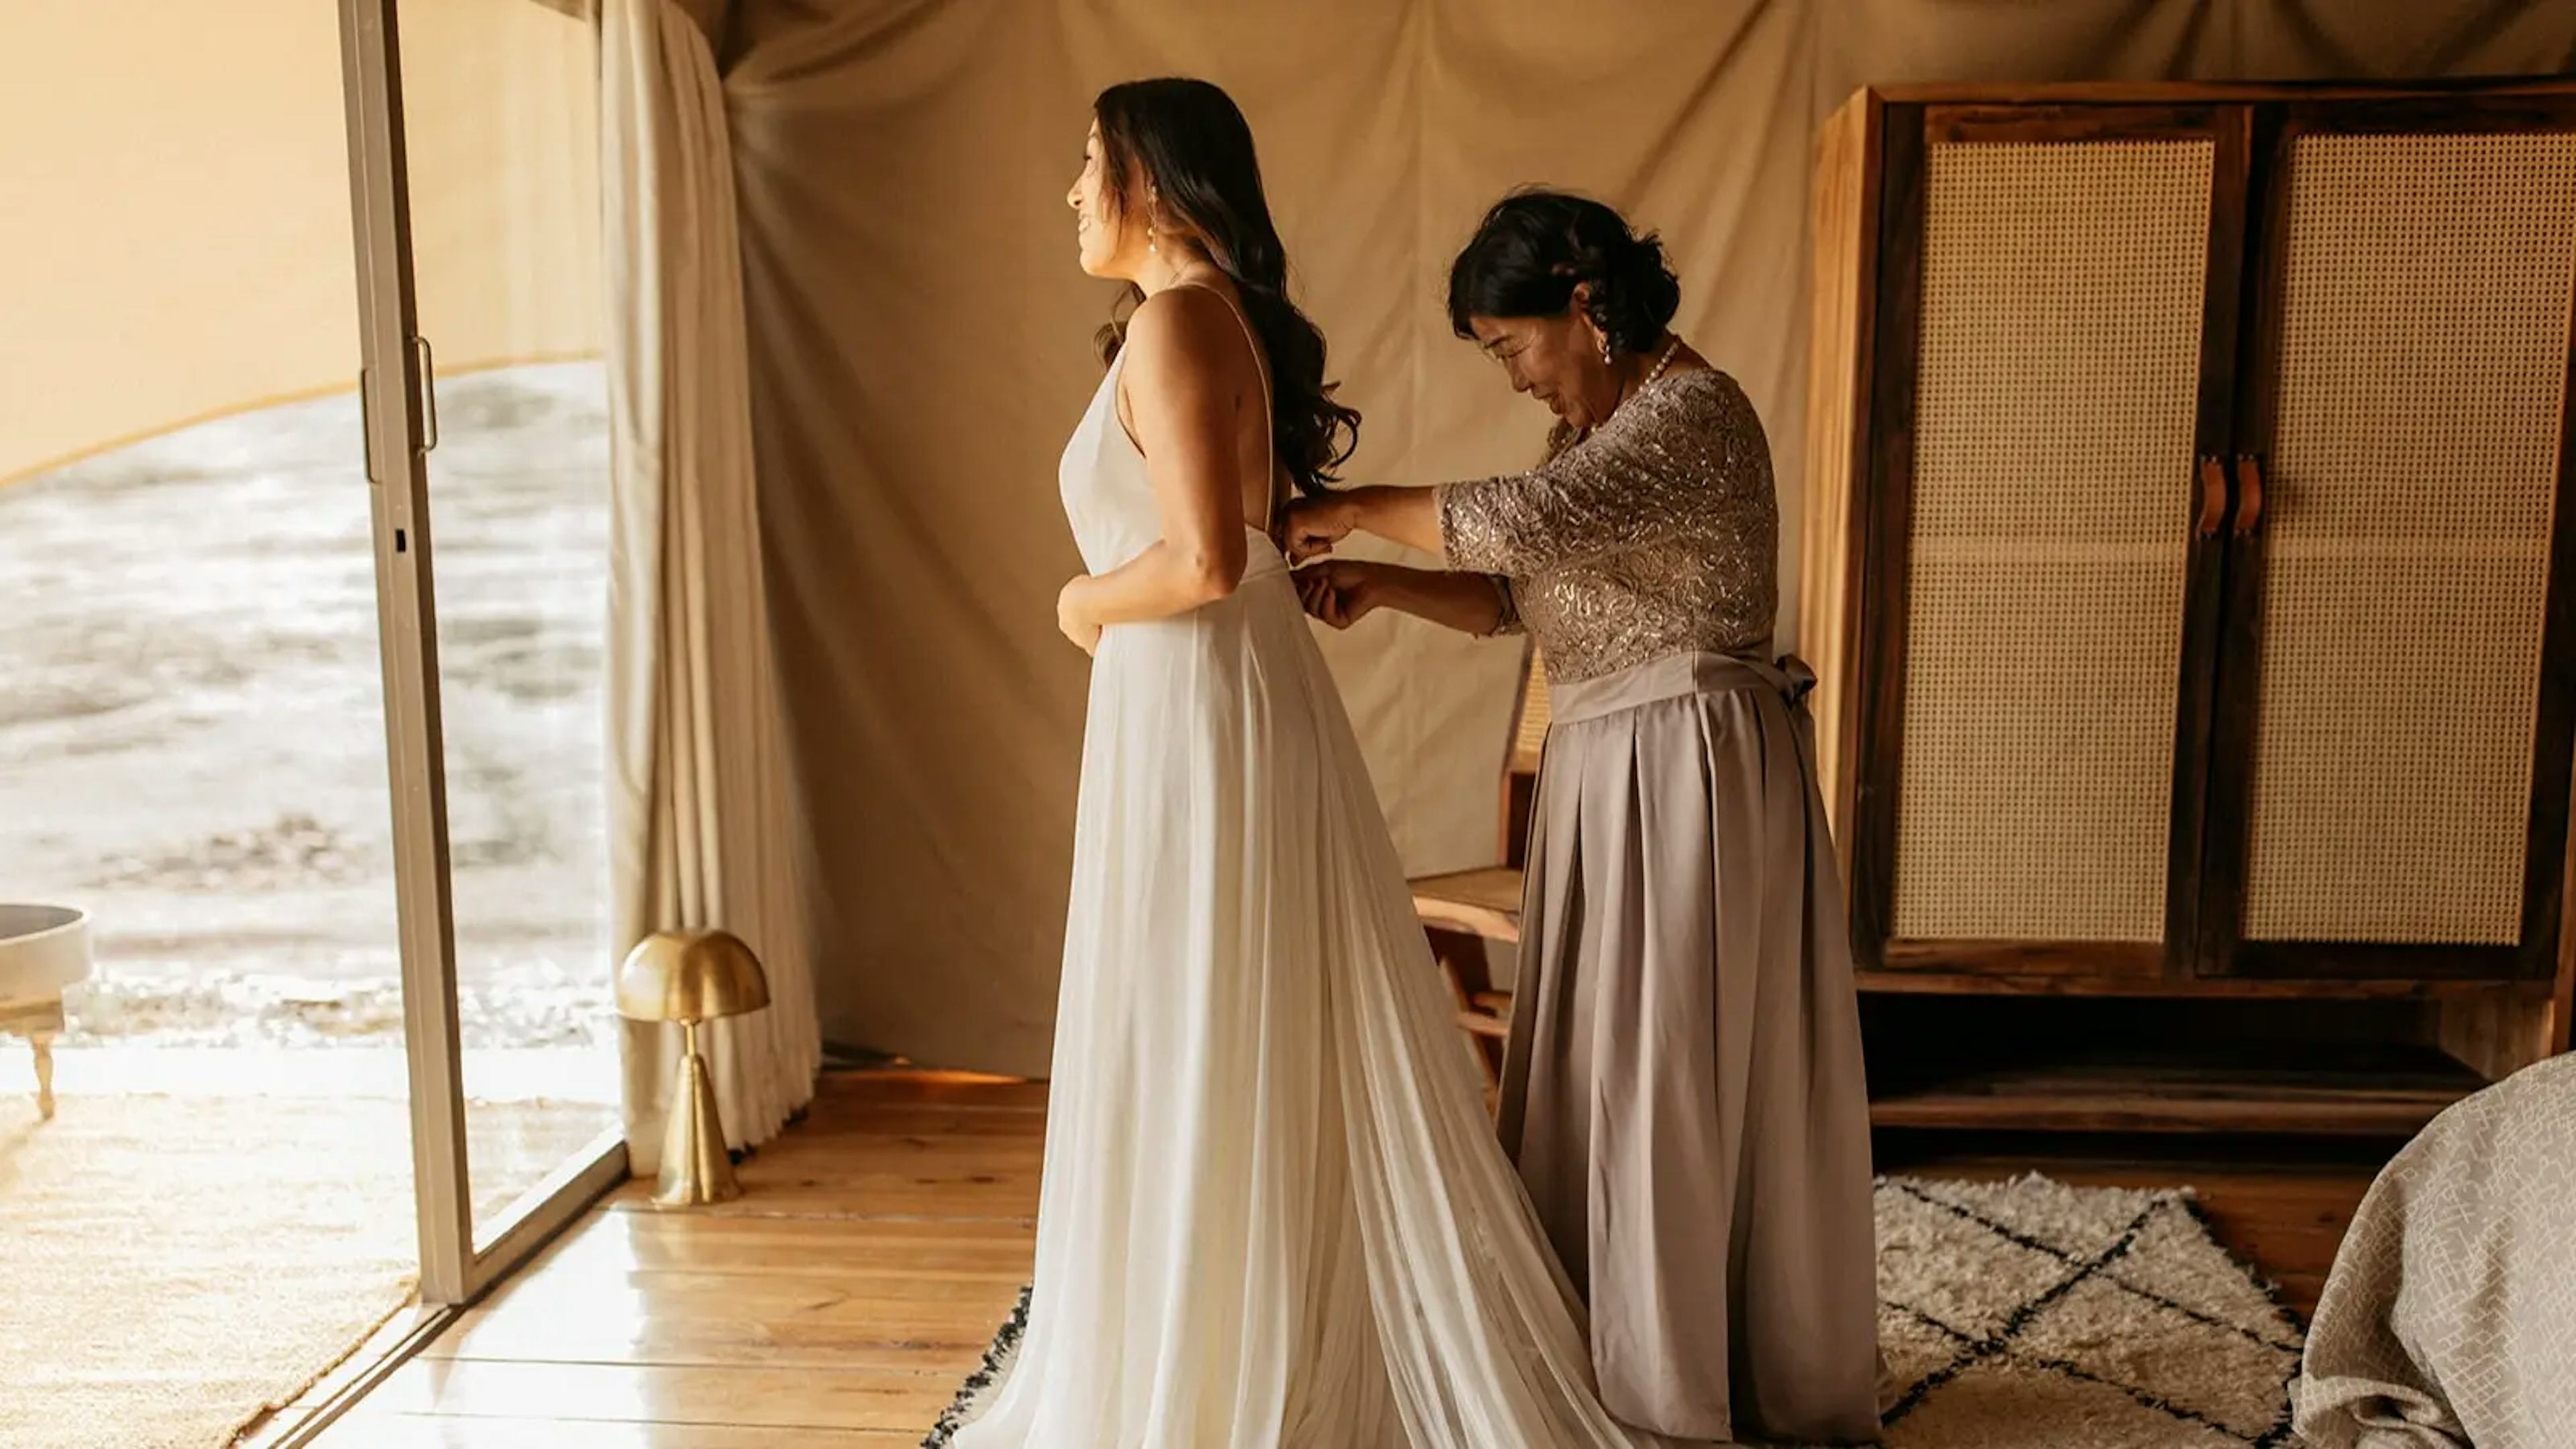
[475, 195]
[499, 107]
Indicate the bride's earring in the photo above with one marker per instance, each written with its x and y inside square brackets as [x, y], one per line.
[1153, 200]
[1606, 359]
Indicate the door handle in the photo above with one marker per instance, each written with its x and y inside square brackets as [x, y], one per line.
[423, 363]
[2249, 494]
[2213, 498]
[367, 428]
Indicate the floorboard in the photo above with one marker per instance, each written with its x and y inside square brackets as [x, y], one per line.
[880, 1241]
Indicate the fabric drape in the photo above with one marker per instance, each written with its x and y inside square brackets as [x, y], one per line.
[702, 818]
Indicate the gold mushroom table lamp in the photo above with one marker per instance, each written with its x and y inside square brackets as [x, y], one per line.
[692, 977]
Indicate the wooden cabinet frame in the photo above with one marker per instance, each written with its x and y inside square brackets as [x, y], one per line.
[2220, 947]
[1869, 221]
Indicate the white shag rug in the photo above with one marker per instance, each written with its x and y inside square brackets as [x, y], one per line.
[2030, 1315]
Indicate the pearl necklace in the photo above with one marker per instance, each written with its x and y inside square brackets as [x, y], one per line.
[1661, 363]
[1666, 360]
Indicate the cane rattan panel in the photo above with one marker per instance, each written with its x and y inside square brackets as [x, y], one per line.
[2422, 353]
[2063, 287]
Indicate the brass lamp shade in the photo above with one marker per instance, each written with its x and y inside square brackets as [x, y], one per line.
[692, 977]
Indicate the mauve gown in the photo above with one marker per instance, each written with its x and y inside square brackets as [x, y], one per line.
[1682, 1093]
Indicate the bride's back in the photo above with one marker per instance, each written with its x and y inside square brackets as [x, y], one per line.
[1203, 358]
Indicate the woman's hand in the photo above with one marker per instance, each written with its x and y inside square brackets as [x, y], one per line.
[1077, 625]
[1312, 526]
[1341, 592]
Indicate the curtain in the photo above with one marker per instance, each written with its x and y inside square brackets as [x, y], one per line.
[921, 347]
[702, 817]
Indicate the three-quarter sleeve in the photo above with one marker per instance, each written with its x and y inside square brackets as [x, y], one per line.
[1642, 479]
[1657, 535]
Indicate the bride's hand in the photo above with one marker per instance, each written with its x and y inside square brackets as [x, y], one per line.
[1340, 592]
[1313, 525]
[1069, 618]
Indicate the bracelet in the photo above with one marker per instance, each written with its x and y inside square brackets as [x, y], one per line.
[1507, 613]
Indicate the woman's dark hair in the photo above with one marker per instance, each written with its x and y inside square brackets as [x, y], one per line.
[1534, 246]
[1193, 148]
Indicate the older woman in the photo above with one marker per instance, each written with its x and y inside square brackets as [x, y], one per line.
[1683, 1092]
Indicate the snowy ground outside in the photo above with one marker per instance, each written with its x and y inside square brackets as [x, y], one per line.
[192, 739]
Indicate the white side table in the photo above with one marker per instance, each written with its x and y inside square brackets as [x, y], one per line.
[42, 950]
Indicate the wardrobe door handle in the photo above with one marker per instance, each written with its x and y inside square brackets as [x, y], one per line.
[2213, 498]
[2249, 494]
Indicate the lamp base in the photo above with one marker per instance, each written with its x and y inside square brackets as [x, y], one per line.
[695, 1169]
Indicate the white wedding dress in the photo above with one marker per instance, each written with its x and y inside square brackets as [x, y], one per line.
[1275, 1215]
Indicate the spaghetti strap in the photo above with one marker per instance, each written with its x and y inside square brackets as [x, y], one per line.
[1261, 369]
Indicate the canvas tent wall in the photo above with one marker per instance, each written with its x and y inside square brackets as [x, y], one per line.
[178, 245]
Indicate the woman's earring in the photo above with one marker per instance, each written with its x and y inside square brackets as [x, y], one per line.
[1606, 358]
[1151, 244]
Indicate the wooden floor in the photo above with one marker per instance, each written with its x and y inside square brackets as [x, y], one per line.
[879, 1244]
[875, 1249]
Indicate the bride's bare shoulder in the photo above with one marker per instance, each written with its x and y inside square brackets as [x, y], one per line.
[1186, 327]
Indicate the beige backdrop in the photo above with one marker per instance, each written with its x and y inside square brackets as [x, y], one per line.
[174, 206]
[920, 343]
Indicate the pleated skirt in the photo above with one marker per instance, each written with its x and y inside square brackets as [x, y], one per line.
[1683, 1093]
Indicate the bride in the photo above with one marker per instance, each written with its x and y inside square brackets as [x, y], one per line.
[1275, 1215]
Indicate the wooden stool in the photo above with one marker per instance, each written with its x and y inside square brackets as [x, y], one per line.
[1462, 910]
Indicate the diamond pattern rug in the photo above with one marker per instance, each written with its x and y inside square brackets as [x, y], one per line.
[2032, 1315]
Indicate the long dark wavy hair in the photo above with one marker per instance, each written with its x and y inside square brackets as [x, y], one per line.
[1185, 140]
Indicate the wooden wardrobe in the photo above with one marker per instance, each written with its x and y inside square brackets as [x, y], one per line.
[2191, 571]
